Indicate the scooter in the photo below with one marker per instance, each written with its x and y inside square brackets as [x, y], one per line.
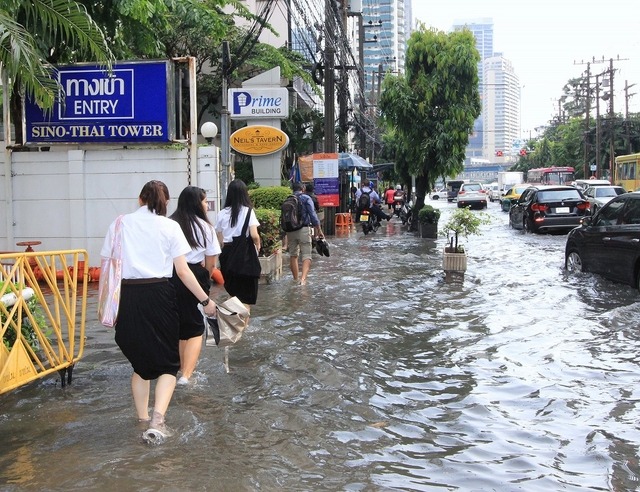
[370, 222]
[398, 203]
[405, 213]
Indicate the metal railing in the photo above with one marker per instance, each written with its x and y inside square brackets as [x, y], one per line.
[42, 315]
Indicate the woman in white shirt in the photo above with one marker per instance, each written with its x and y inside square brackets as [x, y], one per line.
[191, 214]
[147, 328]
[229, 225]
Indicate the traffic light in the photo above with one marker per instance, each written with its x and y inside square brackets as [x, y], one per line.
[523, 152]
[498, 153]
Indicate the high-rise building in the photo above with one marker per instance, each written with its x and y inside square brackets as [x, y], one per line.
[387, 28]
[501, 110]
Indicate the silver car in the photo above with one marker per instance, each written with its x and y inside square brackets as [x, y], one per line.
[472, 195]
[601, 194]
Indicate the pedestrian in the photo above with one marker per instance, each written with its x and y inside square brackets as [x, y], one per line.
[309, 190]
[300, 241]
[229, 225]
[389, 197]
[148, 325]
[191, 214]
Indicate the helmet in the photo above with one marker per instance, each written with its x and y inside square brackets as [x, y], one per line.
[398, 187]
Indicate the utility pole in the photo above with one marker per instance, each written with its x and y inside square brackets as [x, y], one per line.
[225, 123]
[626, 113]
[330, 29]
[612, 156]
[363, 102]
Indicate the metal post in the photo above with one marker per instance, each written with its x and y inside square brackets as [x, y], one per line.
[225, 124]
[329, 78]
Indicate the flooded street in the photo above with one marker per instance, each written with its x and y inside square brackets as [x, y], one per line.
[376, 375]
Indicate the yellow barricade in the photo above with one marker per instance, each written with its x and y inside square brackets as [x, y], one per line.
[43, 298]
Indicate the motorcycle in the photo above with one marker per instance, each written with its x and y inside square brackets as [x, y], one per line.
[406, 215]
[398, 203]
[370, 222]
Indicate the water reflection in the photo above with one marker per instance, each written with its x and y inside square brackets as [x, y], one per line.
[377, 375]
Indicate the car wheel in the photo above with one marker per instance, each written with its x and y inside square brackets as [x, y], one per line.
[573, 261]
[528, 226]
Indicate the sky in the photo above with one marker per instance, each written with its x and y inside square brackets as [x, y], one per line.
[549, 43]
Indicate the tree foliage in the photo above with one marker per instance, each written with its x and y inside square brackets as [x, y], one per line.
[432, 106]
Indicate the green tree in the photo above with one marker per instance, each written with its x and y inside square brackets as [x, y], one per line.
[434, 104]
[31, 33]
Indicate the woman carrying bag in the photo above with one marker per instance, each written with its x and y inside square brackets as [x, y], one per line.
[240, 272]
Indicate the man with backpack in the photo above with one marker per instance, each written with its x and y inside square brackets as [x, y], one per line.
[299, 220]
[368, 199]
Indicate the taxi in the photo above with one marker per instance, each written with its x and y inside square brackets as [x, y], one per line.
[512, 195]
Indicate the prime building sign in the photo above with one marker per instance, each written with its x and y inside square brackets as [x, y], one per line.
[131, 104]
[259, 102]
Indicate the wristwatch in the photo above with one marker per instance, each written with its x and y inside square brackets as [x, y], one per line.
[205, 302]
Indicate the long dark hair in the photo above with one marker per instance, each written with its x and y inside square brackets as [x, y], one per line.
[237, 196]
[188, 212]
[155, 196]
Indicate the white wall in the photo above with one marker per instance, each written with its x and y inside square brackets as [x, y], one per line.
[68, 198]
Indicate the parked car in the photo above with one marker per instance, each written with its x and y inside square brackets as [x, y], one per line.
[472, 195]
[493, 191]
[583, 184]
[599, 195]
[608, 243]
[512, 195]
[545, 208]
[438, 193]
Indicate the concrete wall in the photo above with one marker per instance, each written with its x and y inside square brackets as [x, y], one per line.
[68, 198]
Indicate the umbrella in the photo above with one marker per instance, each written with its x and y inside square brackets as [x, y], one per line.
[347, 160]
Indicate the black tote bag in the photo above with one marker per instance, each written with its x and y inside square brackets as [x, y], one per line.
[240, 257]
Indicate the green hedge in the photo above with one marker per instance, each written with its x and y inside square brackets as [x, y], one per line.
[269, 197]
[269, 230]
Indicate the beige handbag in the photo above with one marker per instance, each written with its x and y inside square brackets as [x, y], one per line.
[232, 318]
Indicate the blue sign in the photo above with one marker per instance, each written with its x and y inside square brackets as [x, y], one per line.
[132, 104]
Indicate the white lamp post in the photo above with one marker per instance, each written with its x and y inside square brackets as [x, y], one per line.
[209, 130]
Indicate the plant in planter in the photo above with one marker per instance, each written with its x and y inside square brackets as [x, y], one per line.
[428, 218]
[28, 330]
[463, 222]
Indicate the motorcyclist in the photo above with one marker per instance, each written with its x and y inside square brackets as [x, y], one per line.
[399, 195]
[374, 202]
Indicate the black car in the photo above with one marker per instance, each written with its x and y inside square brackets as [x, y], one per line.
[609, 242]
[546, 208]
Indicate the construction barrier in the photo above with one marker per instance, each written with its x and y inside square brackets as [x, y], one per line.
[43, 298]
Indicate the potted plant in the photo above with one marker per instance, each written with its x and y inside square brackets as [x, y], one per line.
[463, 222]
[428, 217]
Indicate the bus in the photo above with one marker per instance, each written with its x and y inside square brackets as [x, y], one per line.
[551, 175]
[627, 168]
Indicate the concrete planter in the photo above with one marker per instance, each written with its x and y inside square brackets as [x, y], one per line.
[271, 267]
[454, 262]
[428, 230]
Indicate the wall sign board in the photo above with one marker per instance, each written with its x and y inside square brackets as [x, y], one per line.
[132, 104]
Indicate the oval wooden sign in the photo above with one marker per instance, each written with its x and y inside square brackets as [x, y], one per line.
[258, 140]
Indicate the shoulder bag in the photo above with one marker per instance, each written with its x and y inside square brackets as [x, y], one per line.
[110, 280]
[240, 257]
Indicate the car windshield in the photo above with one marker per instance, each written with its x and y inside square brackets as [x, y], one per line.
[606, 192]
[559, 195]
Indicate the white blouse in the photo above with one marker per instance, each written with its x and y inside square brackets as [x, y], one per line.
[197, 254]
[223, 224]
[150, 242]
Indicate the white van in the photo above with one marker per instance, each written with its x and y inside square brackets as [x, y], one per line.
[493, 191]
[583, 184]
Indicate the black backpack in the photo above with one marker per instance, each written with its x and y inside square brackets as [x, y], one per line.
[365, 200]
[291, 214]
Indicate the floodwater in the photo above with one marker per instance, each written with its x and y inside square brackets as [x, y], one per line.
[376, 375]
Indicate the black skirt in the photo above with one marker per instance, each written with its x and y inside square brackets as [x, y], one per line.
[191, 319]
[244, 288]
[147, 329]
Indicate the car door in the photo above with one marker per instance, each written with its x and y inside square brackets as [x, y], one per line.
[516, 212]
[622, 243]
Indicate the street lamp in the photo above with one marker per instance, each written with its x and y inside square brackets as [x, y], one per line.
[209, 130]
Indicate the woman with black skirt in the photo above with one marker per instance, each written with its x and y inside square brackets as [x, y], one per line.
[229, 225]
[148, 324]
[191, 214]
